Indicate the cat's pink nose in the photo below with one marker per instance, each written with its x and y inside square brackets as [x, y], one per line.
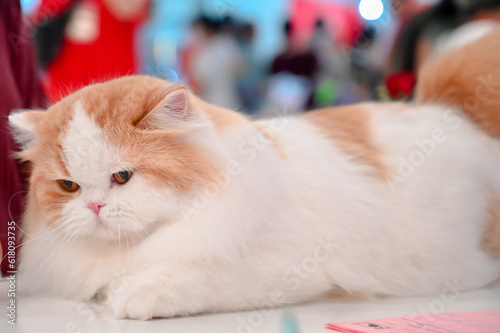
[95, 206]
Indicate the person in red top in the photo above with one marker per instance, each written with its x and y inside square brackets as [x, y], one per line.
[98, 42]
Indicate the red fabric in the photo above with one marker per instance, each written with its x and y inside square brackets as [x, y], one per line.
[110, 55]
[19, 89]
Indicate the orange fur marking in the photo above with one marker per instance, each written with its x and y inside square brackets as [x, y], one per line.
[46, 164]
[469, 78]
[491, 234]
[267, 133]
[161, 156]
[349, 129]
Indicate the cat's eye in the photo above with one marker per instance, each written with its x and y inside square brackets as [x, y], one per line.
[68, 185]
[122, 177]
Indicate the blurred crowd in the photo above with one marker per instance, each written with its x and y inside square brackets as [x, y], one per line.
[322, 53]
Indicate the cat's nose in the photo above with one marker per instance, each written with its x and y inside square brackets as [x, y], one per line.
[95, 206]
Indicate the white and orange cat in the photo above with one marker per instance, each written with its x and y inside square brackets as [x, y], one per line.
[157, 204]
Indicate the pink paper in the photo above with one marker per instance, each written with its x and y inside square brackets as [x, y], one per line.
[457, 322]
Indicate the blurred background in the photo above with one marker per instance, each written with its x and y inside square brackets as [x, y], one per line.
[254, 56]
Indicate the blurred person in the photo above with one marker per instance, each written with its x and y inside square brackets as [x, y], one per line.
[335, 85]
[94, 41]
[19, 89]
[299, 60]
[322, 42]
[250, 82]
[195, 39]
[217, 65]
[416, 39]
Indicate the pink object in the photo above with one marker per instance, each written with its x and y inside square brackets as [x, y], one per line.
[95, 206]
[456, 322]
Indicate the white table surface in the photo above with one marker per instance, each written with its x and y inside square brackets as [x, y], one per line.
[39, 315]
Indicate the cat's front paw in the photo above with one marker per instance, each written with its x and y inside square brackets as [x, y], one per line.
[152, 293]
[141, 304]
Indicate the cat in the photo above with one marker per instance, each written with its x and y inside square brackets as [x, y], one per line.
[153, 203]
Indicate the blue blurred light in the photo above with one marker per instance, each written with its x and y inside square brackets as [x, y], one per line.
[371, 10]
[29, 5]
[169, 74]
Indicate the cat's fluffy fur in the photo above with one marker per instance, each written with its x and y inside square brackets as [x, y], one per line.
[226, 214]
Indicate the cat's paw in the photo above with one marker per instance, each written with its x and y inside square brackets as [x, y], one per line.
[147, 295]
[140, 304]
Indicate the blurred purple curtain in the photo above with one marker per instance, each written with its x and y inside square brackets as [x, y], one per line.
[19, 89]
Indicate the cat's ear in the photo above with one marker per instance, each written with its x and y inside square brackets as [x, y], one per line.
[23, 127]
[173, 111]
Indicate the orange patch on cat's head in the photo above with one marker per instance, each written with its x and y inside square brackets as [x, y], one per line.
[122, 108]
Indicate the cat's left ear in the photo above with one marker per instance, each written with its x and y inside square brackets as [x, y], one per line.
[172, 112]
[23, 125]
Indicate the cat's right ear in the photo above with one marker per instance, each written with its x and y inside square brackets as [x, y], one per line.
[23, 127]
[172, 112]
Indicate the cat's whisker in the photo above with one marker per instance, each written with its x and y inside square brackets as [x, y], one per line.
[144, 241]
[31, 240]
[58, 249]
[143, 229]
[10, 212]
[135, 246]
[62, 248]
[142, 238]
[119, 239]
[133, 243]
[54, 238]
[128, 247]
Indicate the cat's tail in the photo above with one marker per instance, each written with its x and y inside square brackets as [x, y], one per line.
[466, 74]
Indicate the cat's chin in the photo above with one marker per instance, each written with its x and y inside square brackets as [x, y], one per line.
[98, 229]
[106, 232]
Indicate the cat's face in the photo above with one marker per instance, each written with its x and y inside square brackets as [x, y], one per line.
[113, 159]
